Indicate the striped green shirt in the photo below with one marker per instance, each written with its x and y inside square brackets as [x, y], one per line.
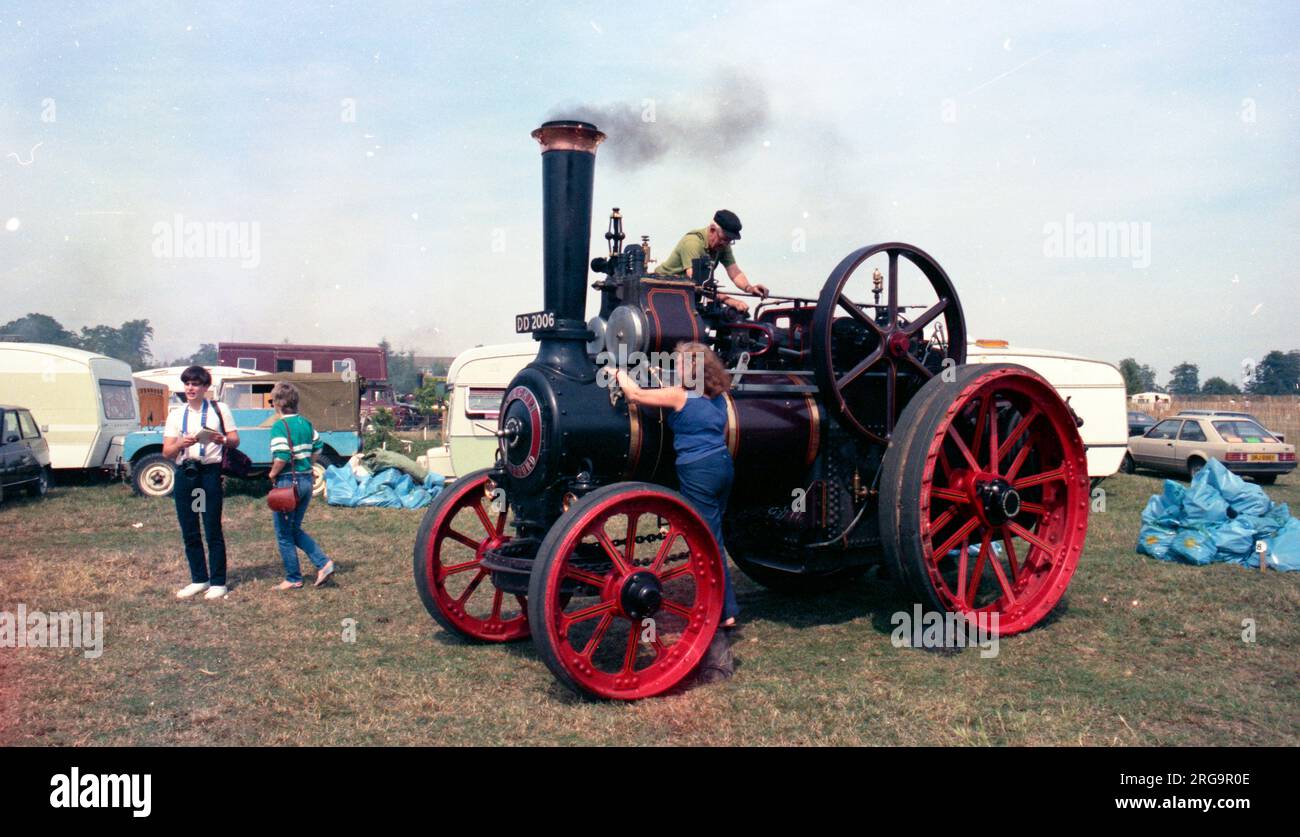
[306, 441]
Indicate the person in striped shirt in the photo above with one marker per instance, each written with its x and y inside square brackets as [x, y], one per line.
[294, 447]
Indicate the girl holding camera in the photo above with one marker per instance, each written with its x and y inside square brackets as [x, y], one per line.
[195, 441]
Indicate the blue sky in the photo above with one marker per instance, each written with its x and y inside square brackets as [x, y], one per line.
[967, 131]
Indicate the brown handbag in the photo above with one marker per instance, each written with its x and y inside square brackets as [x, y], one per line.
[285, 499]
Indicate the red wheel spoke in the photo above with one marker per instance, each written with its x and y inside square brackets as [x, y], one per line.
[523, 605]
[585, 577]
[857, 313]
[496, 605]
[459, 568]
[1011, 555]
[943, 519]
[465, 539]
[924, 320]
[1029, 536]
[593, 641]
[568, 620]
[620, 564]
[659, 647]
[675, 607]
[961, 446]
[994, 451]
[964, 530]
[1017, 463]
[682, 569]
[1021, 427]
[1033, 508]
[1039, 479]
[658, 562]
[973, 586]
[962, 565]
[980, 415]
[998, 571]
[632, 519]
[952, 495]
[473, 585]
[633, 642]
[866, 363]
[483, 518]
[501, 522]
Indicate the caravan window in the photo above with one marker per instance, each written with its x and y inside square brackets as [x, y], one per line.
[11, 423]
[483, 402]
[118, 403]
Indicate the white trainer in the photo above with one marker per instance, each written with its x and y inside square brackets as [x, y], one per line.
[215, 593]
[191, 590]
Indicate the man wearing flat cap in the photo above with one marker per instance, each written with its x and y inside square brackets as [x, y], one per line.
[714, 243]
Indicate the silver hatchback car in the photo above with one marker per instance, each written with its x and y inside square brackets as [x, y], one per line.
[1182, 444]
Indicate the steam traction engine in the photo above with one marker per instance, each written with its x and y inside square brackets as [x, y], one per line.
[858, 435]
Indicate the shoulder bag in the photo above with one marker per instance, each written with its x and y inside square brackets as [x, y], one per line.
[285, 499]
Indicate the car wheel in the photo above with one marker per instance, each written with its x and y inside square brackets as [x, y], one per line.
[318, 479]
[1266, 479]
[1194, 465]
[1127, 466]
[42, 485]
[153, 476]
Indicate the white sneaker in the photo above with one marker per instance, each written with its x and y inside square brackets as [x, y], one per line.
[191, 589]
[215, 593]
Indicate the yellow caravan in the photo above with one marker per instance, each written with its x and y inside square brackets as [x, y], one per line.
[85, 403]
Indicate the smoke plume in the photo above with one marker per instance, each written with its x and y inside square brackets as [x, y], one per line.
[712, 127]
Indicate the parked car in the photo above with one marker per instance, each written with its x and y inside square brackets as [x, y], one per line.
[328, 401]
[1139, 422]
[24, 453]
[86, 402]
[377, 398]
[1182, 444]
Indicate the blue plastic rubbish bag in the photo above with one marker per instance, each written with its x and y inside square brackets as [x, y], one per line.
[1154, 540]
[1194, 545]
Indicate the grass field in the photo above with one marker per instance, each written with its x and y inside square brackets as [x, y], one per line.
[1144, 653]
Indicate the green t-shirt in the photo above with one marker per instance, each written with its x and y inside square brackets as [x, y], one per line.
[694, 245]
[306, 441]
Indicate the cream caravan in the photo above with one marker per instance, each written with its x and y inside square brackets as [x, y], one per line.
[476, 382]
[84, 402]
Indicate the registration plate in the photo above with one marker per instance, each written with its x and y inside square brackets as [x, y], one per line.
[1263, 457]
[525, 323]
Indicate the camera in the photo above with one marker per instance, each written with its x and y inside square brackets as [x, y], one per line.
[191, 468]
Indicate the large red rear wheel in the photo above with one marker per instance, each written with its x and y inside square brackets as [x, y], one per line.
[990, 496]
[459, 527]
[626, 593]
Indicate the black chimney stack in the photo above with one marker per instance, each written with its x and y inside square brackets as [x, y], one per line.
[568, 171]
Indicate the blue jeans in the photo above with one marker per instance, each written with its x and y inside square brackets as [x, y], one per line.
[707, 484]
[187, 493]
[288, 528]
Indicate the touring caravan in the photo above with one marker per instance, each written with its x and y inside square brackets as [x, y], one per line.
[476, 382]
[1094, 389]
[85, 403]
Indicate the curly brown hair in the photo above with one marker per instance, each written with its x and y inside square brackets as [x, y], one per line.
[716, 379]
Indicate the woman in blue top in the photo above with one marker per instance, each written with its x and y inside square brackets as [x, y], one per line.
[294, 447]
[699, 424]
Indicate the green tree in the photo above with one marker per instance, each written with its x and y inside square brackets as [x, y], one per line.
[1218, 386]
[1277, 374]
[403, 376]
[1137, 378]
[205, 356]
[129, 342]
[39, 328]
[1186, 379]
